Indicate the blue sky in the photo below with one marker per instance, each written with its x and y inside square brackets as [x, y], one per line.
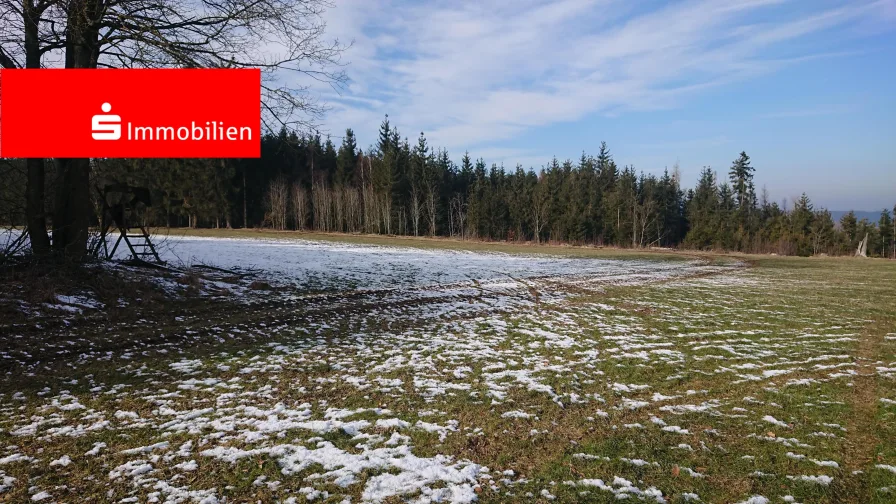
[806, 87]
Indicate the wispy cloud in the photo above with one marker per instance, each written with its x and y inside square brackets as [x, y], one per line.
[814, 111]
[686, 144]
[472, 74]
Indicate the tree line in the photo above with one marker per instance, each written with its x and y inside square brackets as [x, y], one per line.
[306, 182]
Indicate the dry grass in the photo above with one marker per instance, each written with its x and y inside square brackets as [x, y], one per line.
[784, 313]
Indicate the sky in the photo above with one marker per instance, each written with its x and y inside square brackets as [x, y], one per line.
[805, 87]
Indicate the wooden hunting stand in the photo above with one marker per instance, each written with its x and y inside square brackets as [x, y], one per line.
[121, 206]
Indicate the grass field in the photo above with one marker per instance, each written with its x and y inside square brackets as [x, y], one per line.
[594, 376]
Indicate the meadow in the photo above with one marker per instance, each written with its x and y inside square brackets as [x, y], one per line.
[340, 371]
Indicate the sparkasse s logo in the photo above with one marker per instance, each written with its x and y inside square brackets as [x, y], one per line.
[131, 113]
[106, 127]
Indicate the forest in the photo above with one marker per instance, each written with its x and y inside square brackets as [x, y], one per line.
[306, 182]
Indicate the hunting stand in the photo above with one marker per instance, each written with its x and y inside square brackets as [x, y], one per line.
[122, 208]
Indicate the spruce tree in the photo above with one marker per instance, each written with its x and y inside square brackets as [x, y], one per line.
[744, 192]
[848, 227]
[385, 137]
[821, 231]
[894, 233]
[346, 159]
[702, 211]
[885, 229]
[801, 224]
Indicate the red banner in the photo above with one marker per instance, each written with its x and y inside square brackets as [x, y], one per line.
[118, 113]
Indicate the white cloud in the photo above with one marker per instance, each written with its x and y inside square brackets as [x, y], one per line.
[472, 74]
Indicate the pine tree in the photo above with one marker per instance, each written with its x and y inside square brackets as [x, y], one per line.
[885, 229]
[626, 209]
[703, 211]
[385, 137]
[606, 168]
[821, 231]
[329, 161]
[419, 158]
[744, 192]
[727, 219]
[848, 227]
[479, 197]
[801, 225]
[346, 159]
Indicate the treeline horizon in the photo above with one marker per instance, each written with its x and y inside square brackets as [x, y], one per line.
[306, 182]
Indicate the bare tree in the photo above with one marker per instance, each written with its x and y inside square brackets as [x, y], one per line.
[372, 220]
[458, 217]
[644, 215]
[285, 38]
[416, 208]
[299, 206]
[352, 199]
[540, 206]
[338, 210]
[277, 201]
[386, 212]
[431, 208]
[322, 207]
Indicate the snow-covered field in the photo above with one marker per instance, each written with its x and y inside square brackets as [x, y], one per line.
[386, 374]
[311, 264]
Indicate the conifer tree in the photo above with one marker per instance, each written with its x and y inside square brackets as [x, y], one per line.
[744, 192]
[801, 222]
[402, 188]
[848, 227]
[347, 159]
[894, 233]
[703, 211]
[885, 227]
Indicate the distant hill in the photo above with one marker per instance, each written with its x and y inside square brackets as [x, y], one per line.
[871, 216]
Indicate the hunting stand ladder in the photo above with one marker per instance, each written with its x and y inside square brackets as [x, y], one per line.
[121, 204]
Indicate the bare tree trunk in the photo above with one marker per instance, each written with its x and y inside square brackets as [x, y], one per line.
[299, 205]
[386, 204]
[278, 203]
[451, 218]
[457, 217]
[72, 212]
[339, 207]
[431, 210]
[415, 209]
[35, 207]
[353, 209]
[402, 221]
[370, 209]
[245, 212]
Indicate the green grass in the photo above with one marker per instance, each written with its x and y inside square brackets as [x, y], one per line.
[713, 336]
